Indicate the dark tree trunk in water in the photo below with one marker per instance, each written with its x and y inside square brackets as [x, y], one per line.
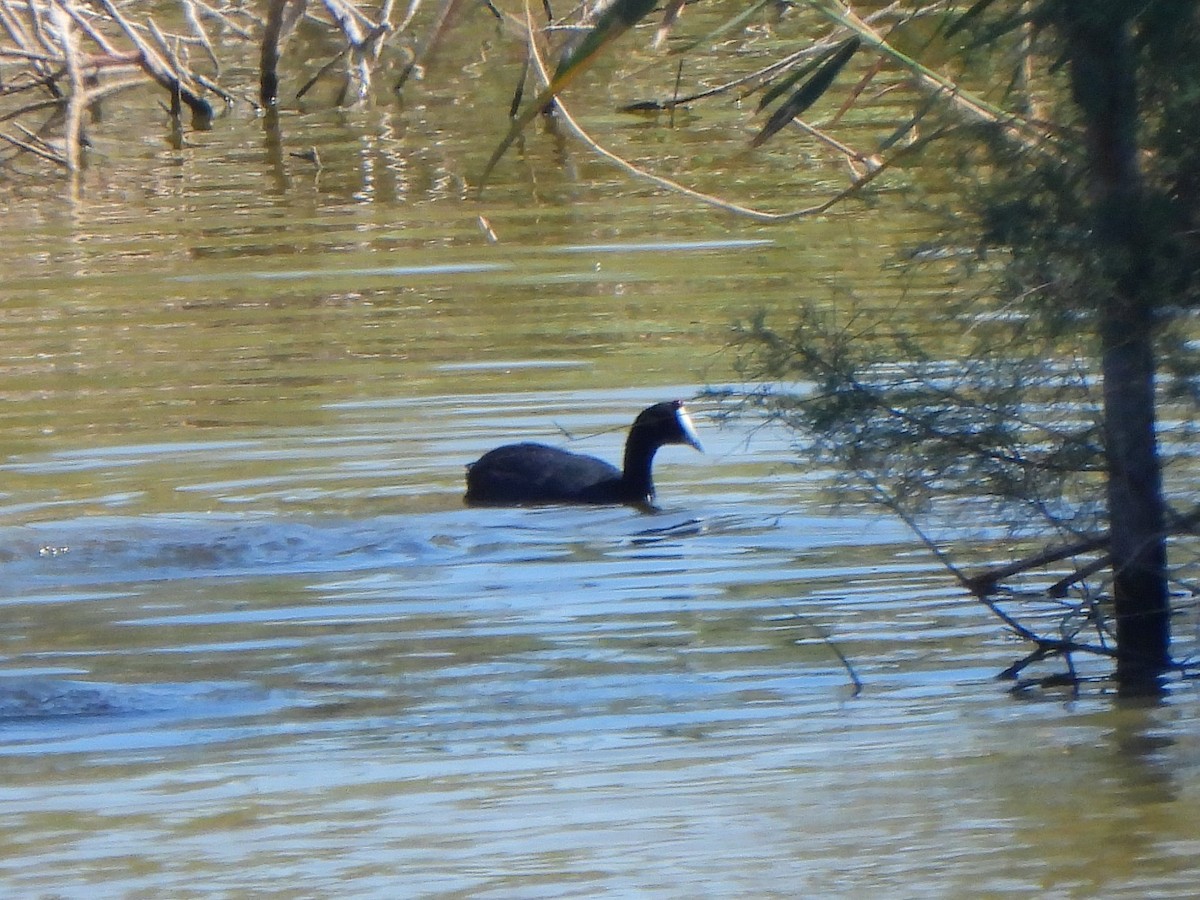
[1103, 66]
[268, 67]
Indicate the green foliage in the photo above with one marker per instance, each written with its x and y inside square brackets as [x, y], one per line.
[1014, 413]
[1020, 429]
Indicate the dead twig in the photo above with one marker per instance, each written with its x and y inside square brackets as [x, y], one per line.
[37, 148]
[158, 69]
[667, 184]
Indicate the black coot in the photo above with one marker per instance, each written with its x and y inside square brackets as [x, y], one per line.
[519, 474]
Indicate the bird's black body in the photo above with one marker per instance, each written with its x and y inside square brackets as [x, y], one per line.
[537, 473]
[531, 474]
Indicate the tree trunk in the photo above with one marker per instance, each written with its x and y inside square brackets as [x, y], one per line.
[268, 65]
[1103, 73]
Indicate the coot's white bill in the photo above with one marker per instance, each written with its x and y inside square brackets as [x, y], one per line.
[687, 427]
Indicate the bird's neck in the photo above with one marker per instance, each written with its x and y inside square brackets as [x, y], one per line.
[639, 457]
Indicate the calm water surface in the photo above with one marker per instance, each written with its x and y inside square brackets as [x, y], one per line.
[254, 644]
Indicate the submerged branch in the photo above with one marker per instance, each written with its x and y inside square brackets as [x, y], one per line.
[986, 583]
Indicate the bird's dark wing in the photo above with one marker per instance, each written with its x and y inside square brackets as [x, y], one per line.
[537, 473]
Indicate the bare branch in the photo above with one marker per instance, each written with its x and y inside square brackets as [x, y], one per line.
[157, 67]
